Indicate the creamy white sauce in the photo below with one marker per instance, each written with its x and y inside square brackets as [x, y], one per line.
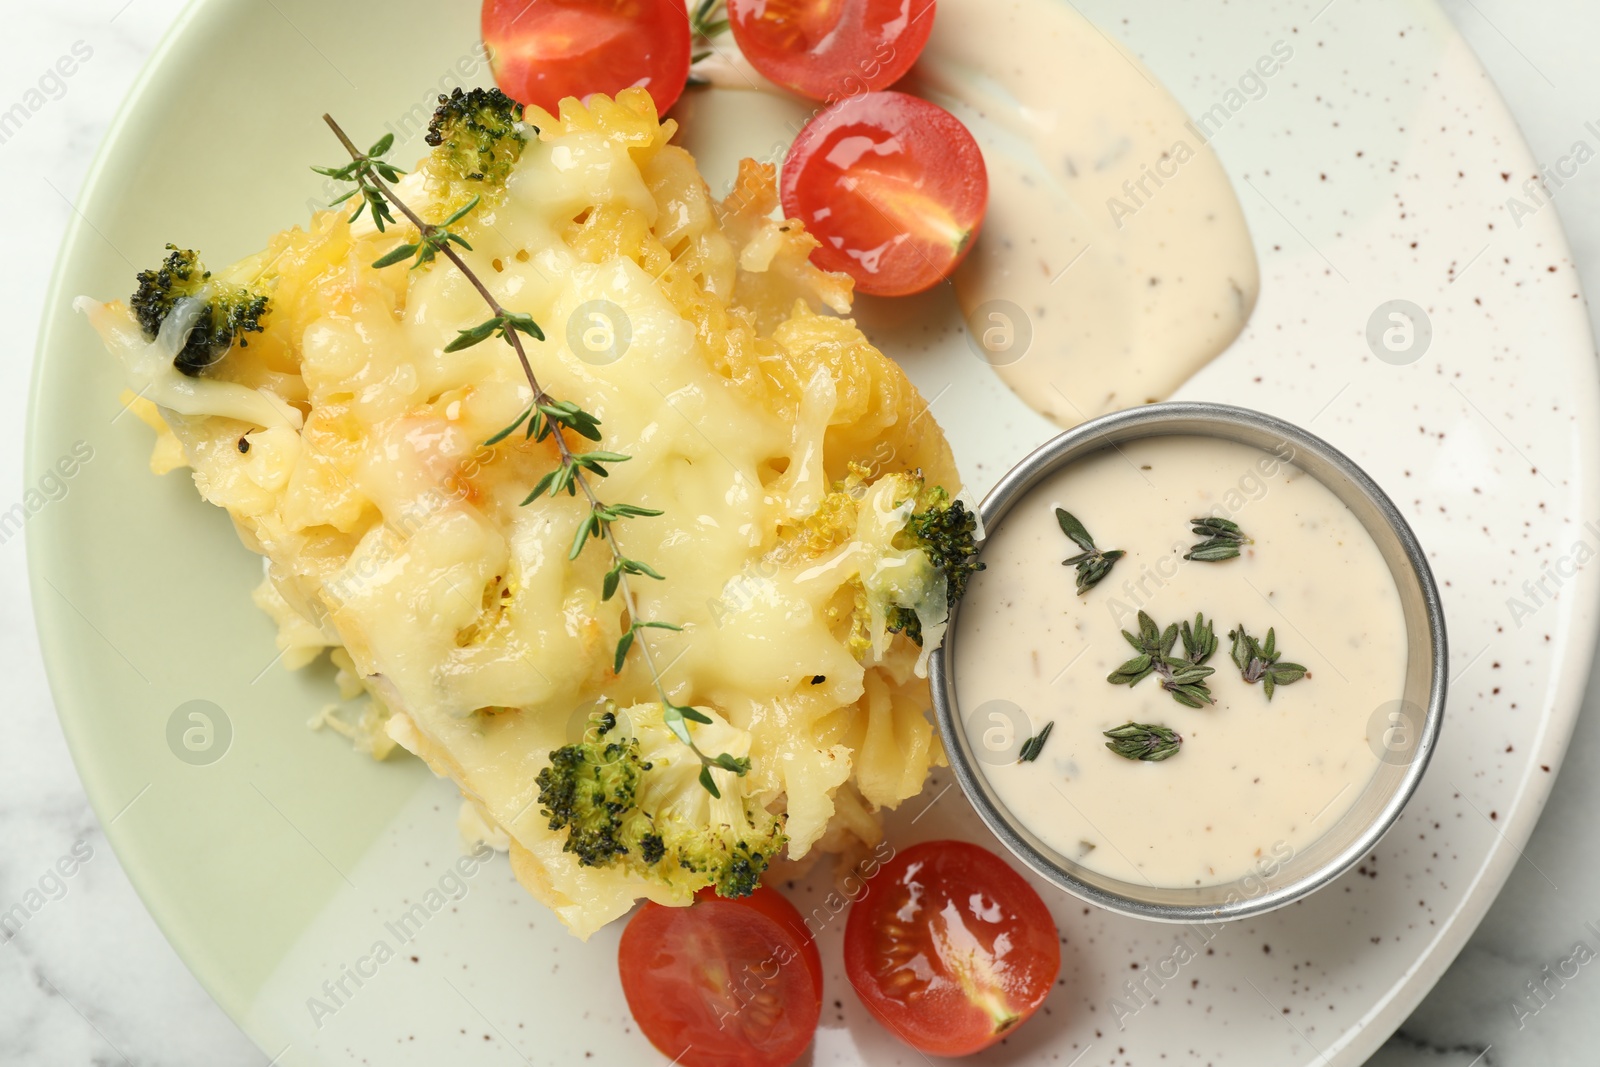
[1253, 778]
[1112, 225]
[1115, 261]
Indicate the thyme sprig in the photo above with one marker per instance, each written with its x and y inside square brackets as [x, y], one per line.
[709, 18]
[1150, 644]
[546, 417]
[1144, 741]
[434, 238]
[1220, 539]
[366, 169]
[1035, 745]
[1092, 563]
[1184, 676]
[501, 326]
[1259, 661]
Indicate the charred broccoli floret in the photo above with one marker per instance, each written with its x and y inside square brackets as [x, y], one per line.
[478, 134]
[636, 802]
[226, 312]
[947, 532]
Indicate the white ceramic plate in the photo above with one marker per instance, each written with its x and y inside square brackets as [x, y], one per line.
[1376, 167]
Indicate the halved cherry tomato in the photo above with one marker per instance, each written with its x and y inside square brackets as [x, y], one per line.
[832, 49]
[723, 983]
[950, 948]
[544, 50]
[894, 187]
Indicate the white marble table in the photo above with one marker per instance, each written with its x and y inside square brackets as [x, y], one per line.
[90, 979]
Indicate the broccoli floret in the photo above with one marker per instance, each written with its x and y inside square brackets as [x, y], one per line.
[589, 790]
[478, 135]
[637, 803]
[932, 538]
[227, 312]
[947, 532]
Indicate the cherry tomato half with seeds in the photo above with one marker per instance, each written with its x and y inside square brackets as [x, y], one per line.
[893, 186]
[950, 949]
[544, 50]
[724, 982]
[832, 49]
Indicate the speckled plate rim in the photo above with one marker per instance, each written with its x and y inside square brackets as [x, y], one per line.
[1571, 681]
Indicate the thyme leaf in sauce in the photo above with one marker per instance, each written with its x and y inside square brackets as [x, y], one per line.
[1259, 661]
[1034, 745]
[1199, 641]
[1092, 563]
[1184, 677]
[1220, 539]
[1134, 671]
[1187, 685]
[1144, 741]
[1147, 644]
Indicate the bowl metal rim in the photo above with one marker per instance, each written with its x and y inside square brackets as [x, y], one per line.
[1181, 417]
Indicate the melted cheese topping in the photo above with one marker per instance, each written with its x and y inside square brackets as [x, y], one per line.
[394, 534]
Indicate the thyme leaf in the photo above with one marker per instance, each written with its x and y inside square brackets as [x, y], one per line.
[1134, 671]
[1200, 640]
[708, 19]
[1092, 563]
[1034, 745]
[500, 325]
[546, 417]
[1220, 539]
[1259, 661]
[1144, 741]
[366, 169]
[1184, 677]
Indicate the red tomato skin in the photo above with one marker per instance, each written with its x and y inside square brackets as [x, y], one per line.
[925, 881]
[775, 906]
[924, 150]
[542, 51]
[666, 957]
[832, 49]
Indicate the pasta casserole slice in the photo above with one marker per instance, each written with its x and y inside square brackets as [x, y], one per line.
[807, 544]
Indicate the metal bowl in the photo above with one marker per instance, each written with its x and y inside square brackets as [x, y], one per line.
[1409, 735]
